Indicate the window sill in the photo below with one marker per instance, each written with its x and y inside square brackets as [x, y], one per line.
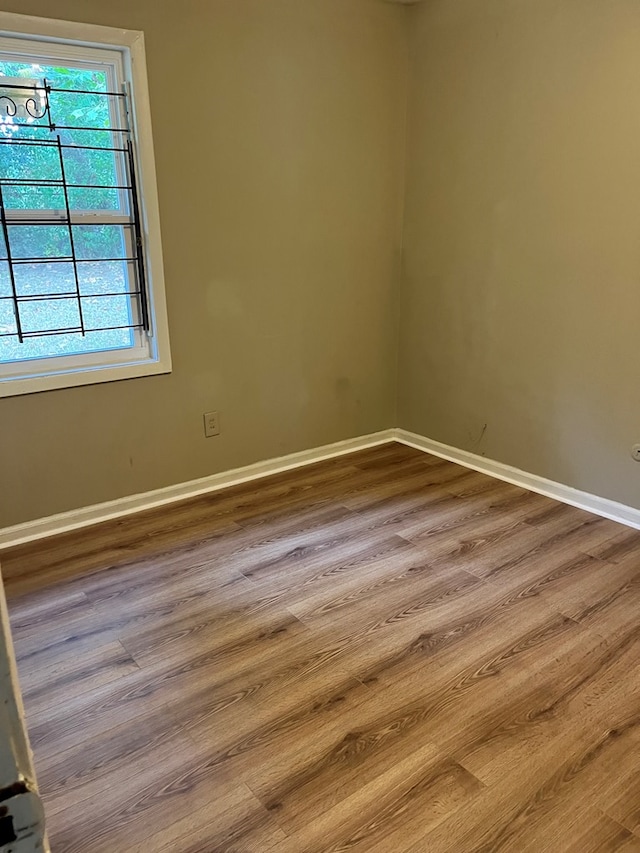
[12, 387]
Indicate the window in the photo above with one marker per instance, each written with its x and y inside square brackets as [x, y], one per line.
[81, 290]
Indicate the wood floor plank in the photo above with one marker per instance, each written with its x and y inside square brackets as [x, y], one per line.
[380, 732]
[234, 823]
[484, 827]
[565, 700]
[554, 787]
[397, 807]
[189, 523]
[620, 798]
[127, 813]
[228, 636]
[625, 543]
[324, 571]
[380, 653]
[304, 723]
[74, 675]
[592, 832]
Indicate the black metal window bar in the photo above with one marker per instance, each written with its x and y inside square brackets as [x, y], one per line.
[40, 116]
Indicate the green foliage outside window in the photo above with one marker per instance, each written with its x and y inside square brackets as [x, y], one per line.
[73, 112]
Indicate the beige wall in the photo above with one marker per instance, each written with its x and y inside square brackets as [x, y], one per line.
[280, 211]
[521, 291]
[281, 217]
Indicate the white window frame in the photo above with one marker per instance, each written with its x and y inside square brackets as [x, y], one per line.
[32, 376]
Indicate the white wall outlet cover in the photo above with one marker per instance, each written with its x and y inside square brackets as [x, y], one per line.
[211, 424]
[635, 452]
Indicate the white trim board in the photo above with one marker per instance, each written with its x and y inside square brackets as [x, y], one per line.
[558, 491]
[85, 516]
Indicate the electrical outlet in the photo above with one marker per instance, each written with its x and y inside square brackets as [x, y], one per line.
[635, 452]
[211, 424]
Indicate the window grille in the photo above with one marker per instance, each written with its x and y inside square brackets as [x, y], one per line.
[28, 118]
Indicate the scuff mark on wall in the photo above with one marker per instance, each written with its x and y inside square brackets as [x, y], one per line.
[476, 446]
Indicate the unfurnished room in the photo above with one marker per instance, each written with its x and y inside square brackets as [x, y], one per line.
[319, 426]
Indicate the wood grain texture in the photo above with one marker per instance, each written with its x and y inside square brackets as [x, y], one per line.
[381, 653]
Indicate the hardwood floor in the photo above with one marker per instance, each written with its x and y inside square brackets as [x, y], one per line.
[383, 653]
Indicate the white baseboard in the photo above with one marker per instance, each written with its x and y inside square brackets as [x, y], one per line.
[85, 516]
[566, 494]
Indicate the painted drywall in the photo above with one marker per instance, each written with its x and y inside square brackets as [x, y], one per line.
[279, 135]
[521, 287]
